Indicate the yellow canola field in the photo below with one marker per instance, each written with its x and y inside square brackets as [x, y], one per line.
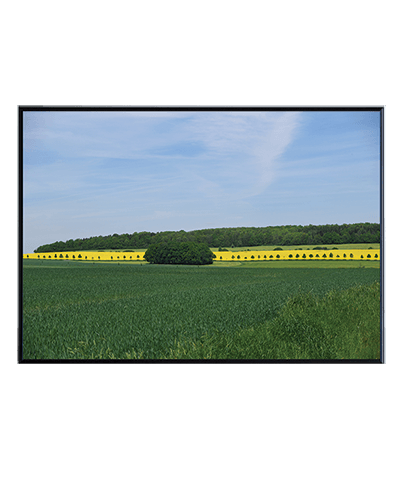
[89, 256]
[361, 254]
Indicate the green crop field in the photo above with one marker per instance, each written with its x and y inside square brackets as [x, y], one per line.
[302, 263]
[79, 310]
[305, 246]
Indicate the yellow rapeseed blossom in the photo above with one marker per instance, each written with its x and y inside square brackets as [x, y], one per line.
[89, 255]
[286, 254]
[292, 254]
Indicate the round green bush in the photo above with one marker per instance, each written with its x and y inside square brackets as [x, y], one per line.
[179, 253]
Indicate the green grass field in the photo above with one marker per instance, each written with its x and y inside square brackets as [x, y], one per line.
[340, 325]
[302, 263]
[309, 246]
[81, 310]
[258, 248]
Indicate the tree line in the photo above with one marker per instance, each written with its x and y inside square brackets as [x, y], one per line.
[229, 237]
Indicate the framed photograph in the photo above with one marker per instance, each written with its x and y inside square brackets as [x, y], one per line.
[189, 234]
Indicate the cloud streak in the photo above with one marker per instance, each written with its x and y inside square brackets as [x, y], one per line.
[244, 147]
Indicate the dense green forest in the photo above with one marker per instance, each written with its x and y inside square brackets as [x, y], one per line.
[227, 237]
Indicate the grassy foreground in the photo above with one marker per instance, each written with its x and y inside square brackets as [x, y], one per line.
[341, 325]
[78, 310]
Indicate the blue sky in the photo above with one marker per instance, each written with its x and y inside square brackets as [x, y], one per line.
[98, 173]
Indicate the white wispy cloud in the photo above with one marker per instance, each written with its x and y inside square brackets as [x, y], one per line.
[244, 147]
[273, 145]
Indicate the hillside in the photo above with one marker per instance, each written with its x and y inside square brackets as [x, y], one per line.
[228, 237]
